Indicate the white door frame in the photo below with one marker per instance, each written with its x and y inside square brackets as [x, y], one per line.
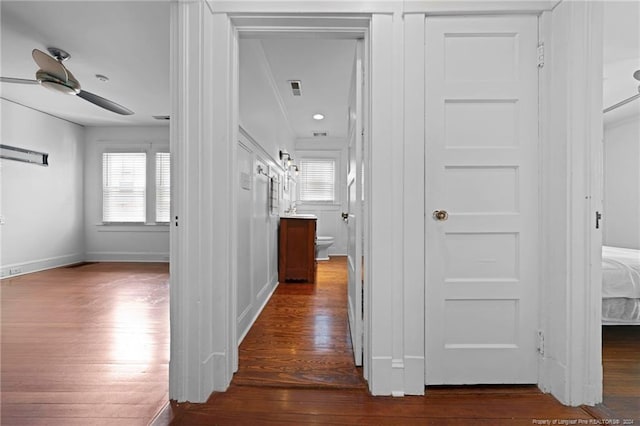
[571, 178]
[265, 26]
[204, 134]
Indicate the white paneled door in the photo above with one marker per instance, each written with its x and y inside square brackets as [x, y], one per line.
[354, 215]
[481, 200]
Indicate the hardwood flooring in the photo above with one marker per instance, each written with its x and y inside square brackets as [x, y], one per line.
[301, 339]
[296, 367]
[85, 345]
[621, 371]
[89, 345]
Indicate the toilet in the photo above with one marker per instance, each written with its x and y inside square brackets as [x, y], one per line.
[322, 247]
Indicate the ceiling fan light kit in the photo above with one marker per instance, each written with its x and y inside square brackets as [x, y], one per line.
[55, 76]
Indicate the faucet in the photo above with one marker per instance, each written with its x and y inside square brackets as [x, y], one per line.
[292, 208]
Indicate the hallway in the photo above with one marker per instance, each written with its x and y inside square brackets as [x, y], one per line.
[301, 338]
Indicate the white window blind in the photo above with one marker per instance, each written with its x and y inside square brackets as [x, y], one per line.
[124, 176]
[163, 186]
[317, 179]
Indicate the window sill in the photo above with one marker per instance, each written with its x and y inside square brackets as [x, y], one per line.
[317, 204]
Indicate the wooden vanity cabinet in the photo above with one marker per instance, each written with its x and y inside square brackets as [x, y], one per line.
[297, 252]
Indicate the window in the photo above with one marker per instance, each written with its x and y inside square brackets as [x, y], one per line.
[135, 186]
[317, 179]
[124, 176]
[163, 186]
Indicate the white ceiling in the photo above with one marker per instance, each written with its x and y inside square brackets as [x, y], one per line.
[324, 67]
[129, 43]
[126, 41]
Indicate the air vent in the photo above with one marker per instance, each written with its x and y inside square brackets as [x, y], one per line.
[162, 117]
[296, 87]
[319, 134]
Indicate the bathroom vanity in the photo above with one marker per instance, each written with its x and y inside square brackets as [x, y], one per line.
[297, 252]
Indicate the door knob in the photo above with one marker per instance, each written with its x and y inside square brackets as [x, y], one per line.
[345, 216]
[441, 215]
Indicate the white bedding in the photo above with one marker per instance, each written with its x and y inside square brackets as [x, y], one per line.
[620, 273]
[620, 310]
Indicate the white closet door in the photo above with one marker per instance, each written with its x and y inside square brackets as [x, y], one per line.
[482, 174]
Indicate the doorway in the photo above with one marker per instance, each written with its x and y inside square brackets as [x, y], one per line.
[618, 164]
[285, 79]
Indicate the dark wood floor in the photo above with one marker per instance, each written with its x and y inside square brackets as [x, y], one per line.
[621, 365]
[302, 337]
[88, 345]
[296, 367]
[85, 345]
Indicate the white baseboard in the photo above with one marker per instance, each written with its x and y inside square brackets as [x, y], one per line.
[258, 312]
[381, 377]
[414, 375]
[21, 268]
[121, 256]
[553, 379]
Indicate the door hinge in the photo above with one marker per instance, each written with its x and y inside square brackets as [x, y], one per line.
[598, 219]
[541, 342]
[541, 55]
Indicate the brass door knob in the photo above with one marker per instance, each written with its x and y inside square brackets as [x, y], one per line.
[441, 215]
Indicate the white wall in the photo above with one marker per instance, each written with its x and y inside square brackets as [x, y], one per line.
[622, 184]
[330, 221]
[120, 242]
[42, 206]
[264, 132]
[261, 109]
[257, 234]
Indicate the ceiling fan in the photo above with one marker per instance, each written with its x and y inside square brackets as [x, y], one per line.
[636, 75]
[55, 76]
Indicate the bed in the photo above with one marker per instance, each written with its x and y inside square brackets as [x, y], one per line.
[620, 286]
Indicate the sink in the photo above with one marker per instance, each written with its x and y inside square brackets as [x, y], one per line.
[301, 216]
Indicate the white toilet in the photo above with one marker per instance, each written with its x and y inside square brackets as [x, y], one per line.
[322, 247]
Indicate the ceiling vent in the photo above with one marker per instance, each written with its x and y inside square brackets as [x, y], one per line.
[319, 134]
[162, 117]
[296, 87]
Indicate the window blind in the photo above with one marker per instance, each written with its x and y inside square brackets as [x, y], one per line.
[317, 179]
[163, 186]
[124, 176]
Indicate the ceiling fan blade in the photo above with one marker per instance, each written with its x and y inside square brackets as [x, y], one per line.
[104, 103]
[18, 80]
[49, 65]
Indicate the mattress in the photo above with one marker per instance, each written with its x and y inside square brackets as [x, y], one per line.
[620, 285]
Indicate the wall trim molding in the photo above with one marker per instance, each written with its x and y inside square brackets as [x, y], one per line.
[38, 265]
[257, 149]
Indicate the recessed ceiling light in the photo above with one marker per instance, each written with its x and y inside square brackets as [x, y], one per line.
[102, 78]
[318, 116]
